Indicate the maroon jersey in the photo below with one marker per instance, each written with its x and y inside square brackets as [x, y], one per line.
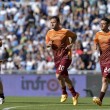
[60, 39]
[103, 39]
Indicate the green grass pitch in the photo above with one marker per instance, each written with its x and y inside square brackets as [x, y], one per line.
[51, 103]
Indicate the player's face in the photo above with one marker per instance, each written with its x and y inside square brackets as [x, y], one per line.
[54, 24]
[103, 25]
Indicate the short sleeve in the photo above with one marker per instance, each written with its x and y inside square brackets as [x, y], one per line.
[47, 39]
[96, 39]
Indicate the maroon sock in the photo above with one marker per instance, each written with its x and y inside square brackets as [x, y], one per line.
[102, 94]
[73, 92]
[64, 90]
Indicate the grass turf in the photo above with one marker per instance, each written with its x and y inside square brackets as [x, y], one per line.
[51, 103]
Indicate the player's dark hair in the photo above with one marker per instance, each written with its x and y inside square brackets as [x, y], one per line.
[55, 17]
[106, 19]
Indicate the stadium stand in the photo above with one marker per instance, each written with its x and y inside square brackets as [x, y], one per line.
[23, 26]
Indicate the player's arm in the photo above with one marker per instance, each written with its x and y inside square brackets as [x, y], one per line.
[0, 42]
[1, 61]
[6, 56]
[71, 38]
[96, 44]
[0, 46]
[48, 41]
[49, 44]
[97, 47]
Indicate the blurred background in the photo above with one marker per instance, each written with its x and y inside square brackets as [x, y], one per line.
[24, 24]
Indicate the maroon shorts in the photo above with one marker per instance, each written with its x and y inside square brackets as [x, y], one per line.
[105, 68]
[62, 66]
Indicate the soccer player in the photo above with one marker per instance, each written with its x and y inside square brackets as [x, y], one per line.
[1, 86]
[102, 44]
[61, 40]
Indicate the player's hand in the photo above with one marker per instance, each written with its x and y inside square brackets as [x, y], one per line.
[1, 61]
[0, 42]
[49, 44]
[69, 46]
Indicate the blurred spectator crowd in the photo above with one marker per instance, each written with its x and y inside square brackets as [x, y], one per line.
[23, 26]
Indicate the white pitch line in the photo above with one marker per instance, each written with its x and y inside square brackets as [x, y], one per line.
[9, 108]
[14, 107]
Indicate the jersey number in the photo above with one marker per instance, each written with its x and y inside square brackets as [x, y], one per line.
[61, 68]
[106, 70]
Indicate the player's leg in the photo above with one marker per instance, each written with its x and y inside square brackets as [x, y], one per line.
[1, 93]
[64, 64]
[2, 98]
[98, 100]
[70, 86]
[105, 81]
[63, 87]
[104, 88]
[72, 90]
[61, 81]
